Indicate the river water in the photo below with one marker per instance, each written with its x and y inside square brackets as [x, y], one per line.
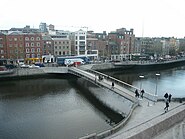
[60, 108]
[54, 108]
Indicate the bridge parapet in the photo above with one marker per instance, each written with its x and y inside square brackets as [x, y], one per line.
[55, 69]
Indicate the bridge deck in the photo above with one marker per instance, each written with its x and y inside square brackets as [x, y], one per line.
[120, 87]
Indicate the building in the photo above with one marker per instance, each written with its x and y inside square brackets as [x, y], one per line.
[80, 42]
[62, 43]
[33, 45]
[48, 45]
[43, 27]
[15, 46]
[3, 47]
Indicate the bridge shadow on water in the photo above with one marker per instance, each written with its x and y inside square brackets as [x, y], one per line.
[81, 86]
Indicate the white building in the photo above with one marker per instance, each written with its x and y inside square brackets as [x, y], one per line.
[80, 42]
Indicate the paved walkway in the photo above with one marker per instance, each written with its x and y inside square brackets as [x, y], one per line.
[144, 113]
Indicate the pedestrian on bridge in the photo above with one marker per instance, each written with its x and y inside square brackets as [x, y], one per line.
[136, 93]
[112, 85]
[167, 105]
[142, 92]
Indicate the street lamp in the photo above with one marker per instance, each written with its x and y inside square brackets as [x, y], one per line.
[157, 75]
[141, 76]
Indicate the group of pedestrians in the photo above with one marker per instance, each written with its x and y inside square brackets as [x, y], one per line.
[167, 98]
[137, 93]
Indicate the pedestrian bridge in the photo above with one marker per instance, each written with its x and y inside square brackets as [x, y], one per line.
[123, 89]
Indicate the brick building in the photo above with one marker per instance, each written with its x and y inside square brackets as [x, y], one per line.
[33, 45]
[15, 46]
[3, 48]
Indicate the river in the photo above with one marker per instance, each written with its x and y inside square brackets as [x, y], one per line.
[60, 108]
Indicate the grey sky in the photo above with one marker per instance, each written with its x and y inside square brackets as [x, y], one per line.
[153, 18]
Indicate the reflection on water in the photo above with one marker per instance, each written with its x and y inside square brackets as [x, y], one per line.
[57, 108]
[171, 80]
[46, 108]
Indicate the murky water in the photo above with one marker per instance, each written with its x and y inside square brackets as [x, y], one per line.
[50, 108]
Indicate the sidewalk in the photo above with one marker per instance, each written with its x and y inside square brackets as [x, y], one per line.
[144, 113]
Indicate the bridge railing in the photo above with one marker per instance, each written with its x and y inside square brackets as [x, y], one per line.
[147, 95]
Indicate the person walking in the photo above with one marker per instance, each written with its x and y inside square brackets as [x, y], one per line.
[112, 85]
[169, 97]
[136, 93]
[142, 92]
[167, 106]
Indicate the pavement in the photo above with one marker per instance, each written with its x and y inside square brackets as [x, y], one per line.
[148, 111]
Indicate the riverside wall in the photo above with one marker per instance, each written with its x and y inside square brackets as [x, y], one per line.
[157, 125]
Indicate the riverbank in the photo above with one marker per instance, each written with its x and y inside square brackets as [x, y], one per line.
[135, 65]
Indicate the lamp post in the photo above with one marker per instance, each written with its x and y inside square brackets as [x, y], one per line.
[141, 76]
[157, 74]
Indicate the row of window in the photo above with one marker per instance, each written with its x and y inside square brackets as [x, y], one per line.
[32, 50]
[61, 42]
[27, 45]
[33, 44]
[61, 47]
[26, 38]
[62, 53]
[32, 55]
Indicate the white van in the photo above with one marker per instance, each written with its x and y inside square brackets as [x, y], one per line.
[69, 62]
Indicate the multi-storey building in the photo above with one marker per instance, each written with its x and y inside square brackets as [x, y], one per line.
[62, 43]
[3, 48]
[33, 47]
[121, 44]
[15, 46]
[80, 43]
[48, 45]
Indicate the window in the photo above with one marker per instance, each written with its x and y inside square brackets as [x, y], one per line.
[32, 44]
[82, 38]
[38, 44]
[55, 52]
[2, 51]
[20, 39]
[64, 53]
[15, 39]
[55, 47]
[64, 47]
[38, 50]
[15, 45]
[60, 53]
[26, 38]
[59, 47]
[10, 45]
[38, 55]
[27, 50]
[20, 45]
[32, 38]
[27, 44]
[32, 50]
[38, 38]
[10, 39]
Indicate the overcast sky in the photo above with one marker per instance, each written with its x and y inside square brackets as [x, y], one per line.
[148, 18]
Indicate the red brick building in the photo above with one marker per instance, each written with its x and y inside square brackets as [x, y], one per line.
[3, 49]
[33, 46]
[15, 46]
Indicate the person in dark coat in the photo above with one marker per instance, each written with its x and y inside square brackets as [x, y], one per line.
[142, 92]
[167, 105]
[136, 93]
[112, 85]
[169, 97]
